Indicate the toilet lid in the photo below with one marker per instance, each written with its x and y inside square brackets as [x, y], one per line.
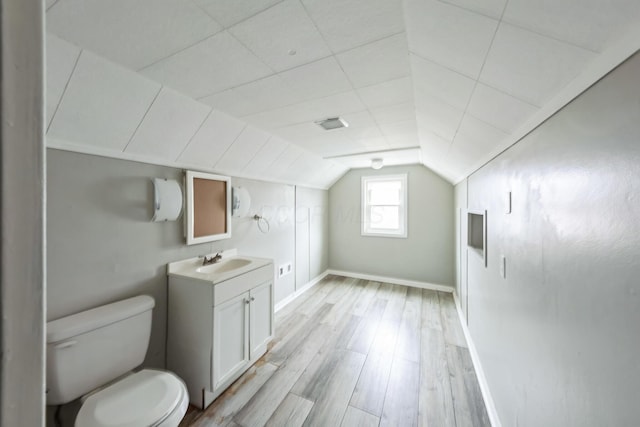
[142, 399]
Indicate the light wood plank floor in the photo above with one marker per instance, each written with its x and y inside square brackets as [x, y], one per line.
[354, 352]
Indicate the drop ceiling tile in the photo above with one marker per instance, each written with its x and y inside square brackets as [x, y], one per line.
[277, 31]
[530, 66]
[388, 93]
[168, 126]
[266, 156]
[454, 37]
[131, 33]
[499, 109]
[346, 25]
[309, 135]
[61, 60]
[437, 116]
[318, 176]
[377, 62]
[300, 167]
[403, 140]
[401, 134]
[229, 12]
[449, 86]
[103, 104]
[213, 138]
[242, 151]
[300, 132]
[334, 145]
[433, 145]
[361, 125]
[475, 140]
[490, 8]
[261, 95]
[394, 113]
[372, 144]
[213, 65]
[308, 111]
[279, 165]
[317, 79]
[590, 24]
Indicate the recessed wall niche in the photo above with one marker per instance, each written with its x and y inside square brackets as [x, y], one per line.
[477, 234]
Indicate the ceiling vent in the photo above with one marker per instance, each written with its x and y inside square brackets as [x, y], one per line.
[333, 123]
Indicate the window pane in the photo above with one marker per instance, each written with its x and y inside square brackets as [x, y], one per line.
[385, 218]
[384, 192]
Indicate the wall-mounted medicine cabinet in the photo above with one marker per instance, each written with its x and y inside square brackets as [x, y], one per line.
[208, 210]
[477, 233]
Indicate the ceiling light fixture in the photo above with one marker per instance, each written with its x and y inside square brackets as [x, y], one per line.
[332, 123]
[376, 163]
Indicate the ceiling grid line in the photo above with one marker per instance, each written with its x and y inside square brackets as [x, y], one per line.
[172, 54]
[142, 119]
[475, 84]
[75, 65]
[194, 135]
[347, 76]
[230, 145]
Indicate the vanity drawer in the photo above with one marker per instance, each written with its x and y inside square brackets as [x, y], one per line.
[228, 289]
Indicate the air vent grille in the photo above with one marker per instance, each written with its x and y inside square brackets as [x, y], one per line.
[332, 123]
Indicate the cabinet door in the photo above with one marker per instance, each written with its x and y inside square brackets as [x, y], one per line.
[230, 338]
[261, 318]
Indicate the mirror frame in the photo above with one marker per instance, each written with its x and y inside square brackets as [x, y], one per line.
[189, 210]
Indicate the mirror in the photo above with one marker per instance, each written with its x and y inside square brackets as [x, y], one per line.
[208, 207]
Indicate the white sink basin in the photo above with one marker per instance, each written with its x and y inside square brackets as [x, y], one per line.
[224, 266]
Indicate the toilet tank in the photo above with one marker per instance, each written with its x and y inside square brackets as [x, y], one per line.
[91, 348]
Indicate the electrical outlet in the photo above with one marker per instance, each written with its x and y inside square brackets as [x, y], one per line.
[285, 269]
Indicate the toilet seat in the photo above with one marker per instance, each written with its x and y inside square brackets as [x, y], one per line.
[146, 398]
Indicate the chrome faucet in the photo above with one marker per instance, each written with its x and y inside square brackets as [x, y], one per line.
[217, 257]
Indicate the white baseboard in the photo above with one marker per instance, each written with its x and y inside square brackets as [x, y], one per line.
[482, 380]
[300, 291]
[395, 281]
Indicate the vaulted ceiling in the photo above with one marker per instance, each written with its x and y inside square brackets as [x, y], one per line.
[236, 86]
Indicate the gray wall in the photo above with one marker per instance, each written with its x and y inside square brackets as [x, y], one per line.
[312, 234]
[460, 192]
[22, 221]
[558, 338]
[427, 254]
[103, 247]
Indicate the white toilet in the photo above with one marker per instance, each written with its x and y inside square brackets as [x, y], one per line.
[92, 353]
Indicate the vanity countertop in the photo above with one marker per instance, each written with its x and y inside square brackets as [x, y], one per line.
[230, 265]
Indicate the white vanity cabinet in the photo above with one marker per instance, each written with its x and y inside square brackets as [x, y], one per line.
[242, 330]
[217, 329]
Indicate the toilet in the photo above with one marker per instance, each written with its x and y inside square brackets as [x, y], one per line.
[92, 354]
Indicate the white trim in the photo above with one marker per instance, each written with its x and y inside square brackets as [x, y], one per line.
[288, 299]
[365, 229]
[603, 64]
[394, 280]
[482, 379]
[190, 176]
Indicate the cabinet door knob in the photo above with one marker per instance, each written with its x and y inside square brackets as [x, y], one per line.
[253, 298]
[246, 301]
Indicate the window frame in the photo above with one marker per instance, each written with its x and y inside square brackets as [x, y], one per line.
[365, 229]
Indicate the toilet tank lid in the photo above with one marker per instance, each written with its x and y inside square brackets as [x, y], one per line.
[89, 320]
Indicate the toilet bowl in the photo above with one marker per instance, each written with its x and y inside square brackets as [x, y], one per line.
[147, 398]
[91, 354]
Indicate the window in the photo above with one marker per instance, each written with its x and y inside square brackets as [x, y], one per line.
[384, 205]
